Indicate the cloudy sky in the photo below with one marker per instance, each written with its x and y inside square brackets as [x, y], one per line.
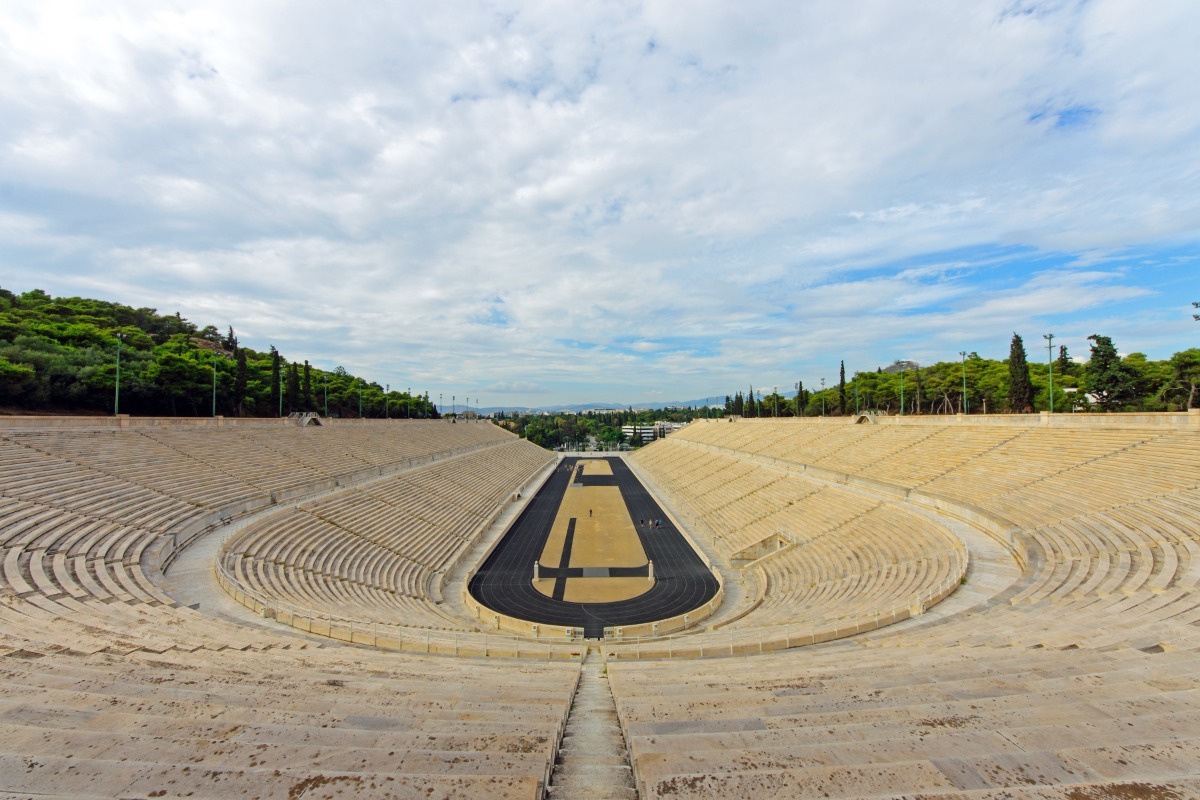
[536, 203]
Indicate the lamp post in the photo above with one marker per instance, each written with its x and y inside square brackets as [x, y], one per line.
[387, 401]
[325, 381]
[360, 383]
[822, 397]
[776, 393]
[410, 403]
[117, 394]
[1049, 337]
[856, 411]
[902, 392]
[440, 403]
[964, 408]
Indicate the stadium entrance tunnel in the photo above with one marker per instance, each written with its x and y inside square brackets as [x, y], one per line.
[594, 553]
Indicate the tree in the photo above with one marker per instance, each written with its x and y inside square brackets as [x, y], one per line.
[292, 399]
[1185, 377]
[1064, 365]
[1020, 387]
[800, 403]
[1148, 379]
[308, 394]
[240, 376]
[1110, 381]
[276, 380]
[917, 392]
[842, 388]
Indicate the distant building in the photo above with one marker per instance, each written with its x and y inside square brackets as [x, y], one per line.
[642, 433]
[648, 433]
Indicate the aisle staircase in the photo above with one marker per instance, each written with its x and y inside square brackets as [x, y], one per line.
[592, 760]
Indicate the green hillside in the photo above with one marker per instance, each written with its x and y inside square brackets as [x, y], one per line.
[59, 355]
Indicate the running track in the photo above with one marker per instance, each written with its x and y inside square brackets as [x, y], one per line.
[504, 582]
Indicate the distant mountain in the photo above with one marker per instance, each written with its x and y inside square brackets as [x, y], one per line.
[579, 408]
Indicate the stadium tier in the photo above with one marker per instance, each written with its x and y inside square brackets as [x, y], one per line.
[1061, 661]
[1078, 680]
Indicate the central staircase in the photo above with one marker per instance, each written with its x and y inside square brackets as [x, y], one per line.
[592, 760]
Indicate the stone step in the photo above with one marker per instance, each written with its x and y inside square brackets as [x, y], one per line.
[597, 759]
[592, 760]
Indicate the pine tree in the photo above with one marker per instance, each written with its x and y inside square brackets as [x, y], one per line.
[1020, 387]
[842, 388]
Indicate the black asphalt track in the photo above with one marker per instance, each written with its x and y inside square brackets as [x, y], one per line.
[504, 582]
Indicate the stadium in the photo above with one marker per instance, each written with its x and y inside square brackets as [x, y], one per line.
[954, 606]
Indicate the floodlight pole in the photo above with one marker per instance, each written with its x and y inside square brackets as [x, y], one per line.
[360, 383]
[410, 403]
[822, 397]
[856, 411]
[963, 353]
[776, 393]
[902, 392]
[1049, 337]
[387, 401]
[325, 382]
[117, 394]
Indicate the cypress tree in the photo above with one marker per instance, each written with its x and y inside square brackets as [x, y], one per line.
[1063, 365]
[800, 398]
[276, 380]
[240, 380]
[1020, 387]
[292, 399]
[308, 395]
[1110, 380]
[842, 388]
[918, 389]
